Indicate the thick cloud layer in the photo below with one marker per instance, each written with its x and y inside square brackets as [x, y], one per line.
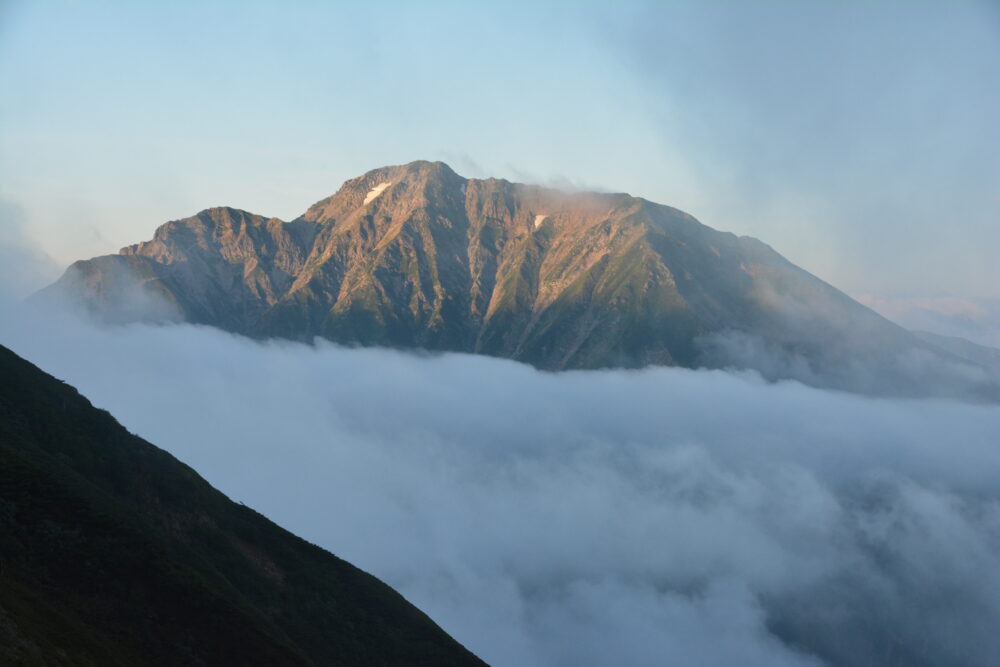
[587, 517]
[935, 371]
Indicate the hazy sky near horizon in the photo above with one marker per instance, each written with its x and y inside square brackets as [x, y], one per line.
[858, 139]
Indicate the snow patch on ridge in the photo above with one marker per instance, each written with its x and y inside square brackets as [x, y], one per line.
[539, 219]
[376, 191]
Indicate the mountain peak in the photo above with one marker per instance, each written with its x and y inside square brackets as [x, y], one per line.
[412, 179]
[417, 256]
[411, 171]
[224, 212]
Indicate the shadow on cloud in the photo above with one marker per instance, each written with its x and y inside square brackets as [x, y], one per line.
[601, 517]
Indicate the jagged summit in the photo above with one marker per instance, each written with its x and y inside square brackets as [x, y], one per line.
[392, 183]
[417, 256]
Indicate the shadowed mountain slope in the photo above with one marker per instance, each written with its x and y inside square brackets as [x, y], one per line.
[417, 256]
[112, 552]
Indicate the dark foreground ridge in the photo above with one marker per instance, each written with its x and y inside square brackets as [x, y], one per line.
[416, 256]
[112, 552]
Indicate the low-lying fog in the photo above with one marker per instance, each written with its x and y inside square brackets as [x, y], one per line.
[629, 518]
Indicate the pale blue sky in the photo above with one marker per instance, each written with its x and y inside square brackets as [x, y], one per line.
[859, 139]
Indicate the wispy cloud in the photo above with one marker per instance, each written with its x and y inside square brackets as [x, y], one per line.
[975, 319]
[24, 266]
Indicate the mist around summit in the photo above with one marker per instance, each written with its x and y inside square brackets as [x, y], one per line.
[585, 517]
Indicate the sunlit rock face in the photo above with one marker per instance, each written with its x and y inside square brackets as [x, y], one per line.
[416, 256]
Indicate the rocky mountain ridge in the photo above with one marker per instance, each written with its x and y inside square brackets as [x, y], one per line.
[416, 256]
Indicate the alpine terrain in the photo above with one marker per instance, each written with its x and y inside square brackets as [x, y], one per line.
[416, 256]
[112, 552]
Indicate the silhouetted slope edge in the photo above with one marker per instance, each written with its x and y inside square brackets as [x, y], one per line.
[112, 552]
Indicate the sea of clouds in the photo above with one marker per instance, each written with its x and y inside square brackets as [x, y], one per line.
[663, 516]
